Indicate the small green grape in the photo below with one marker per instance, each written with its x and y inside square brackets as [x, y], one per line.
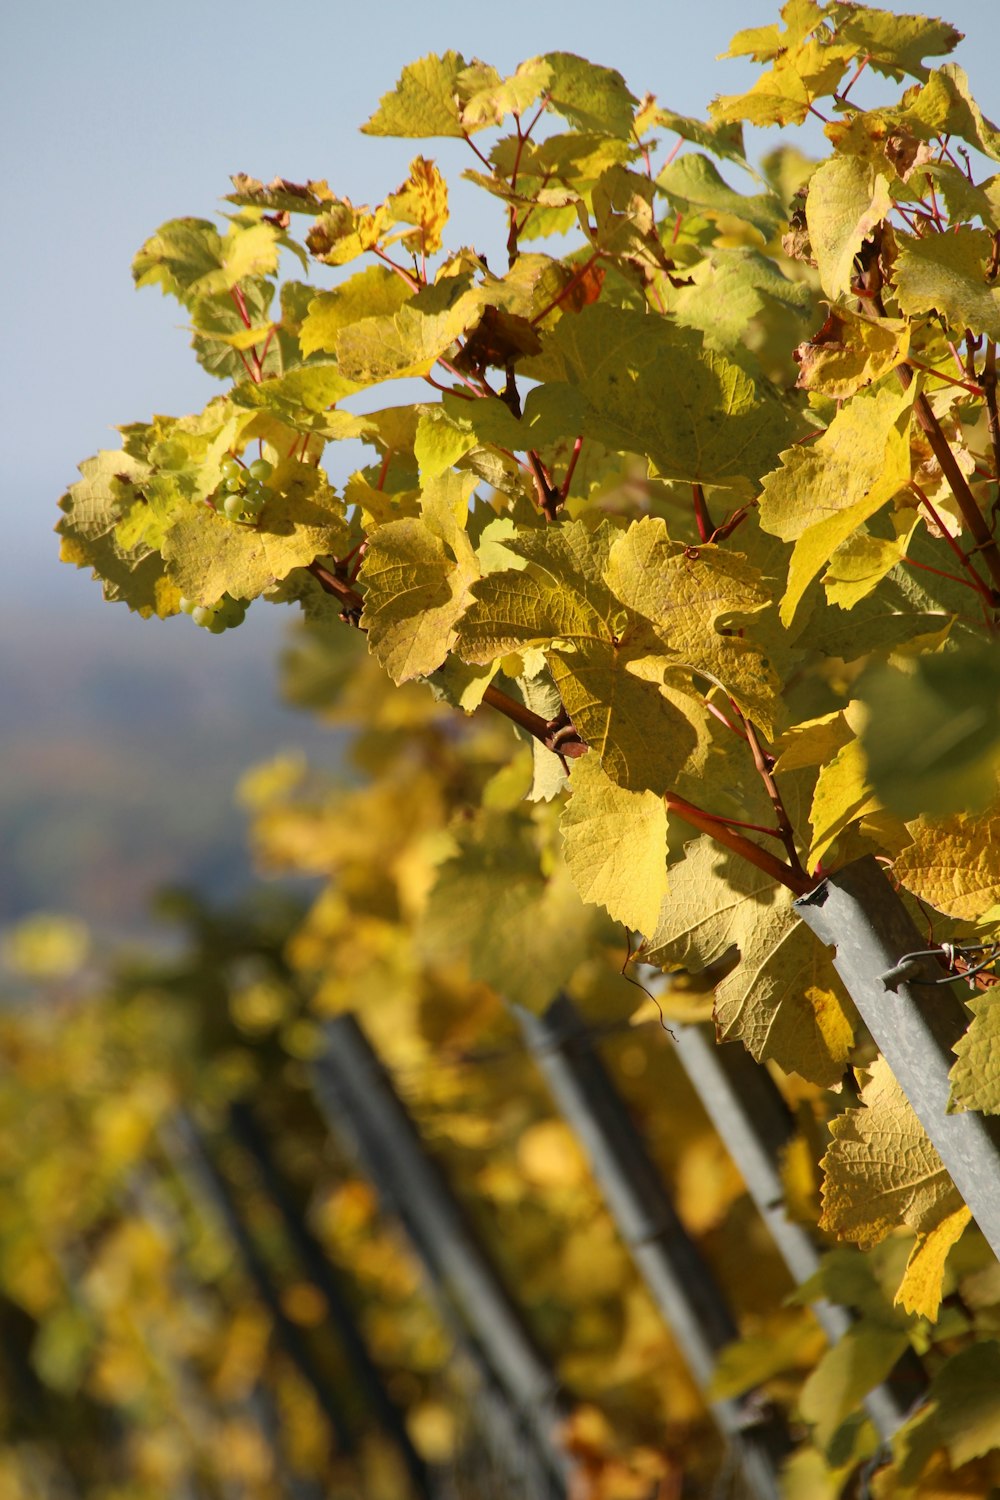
[253, 505]
[186, 606]
[261, 469]
[204, 614]
[233, 484]
[230, 468]
[233, 506]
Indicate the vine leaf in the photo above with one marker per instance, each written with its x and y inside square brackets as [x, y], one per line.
[615, 843]
[824, 492]
[416, 576]
[783, 1000]
[208, 556]
[954, 863]
[946, 273]
[975, 1077]
[882, 1172]
[561, 601]
[847, 198]
[651, 388]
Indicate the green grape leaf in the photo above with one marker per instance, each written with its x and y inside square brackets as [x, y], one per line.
[881, 1170]
[965, 1393]
[182, 257]
[729, 288]
[208, 556]
[521, 930]
[783, 1000]
[561, 601]
[694, 184]
[836, 1388]
[946, 273]
[975, 1077]
[945, 106]
[649, 388]
[589, 96]
[615, 843]
[724, 140]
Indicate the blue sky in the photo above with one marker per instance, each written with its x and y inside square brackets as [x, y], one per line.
[120, 116]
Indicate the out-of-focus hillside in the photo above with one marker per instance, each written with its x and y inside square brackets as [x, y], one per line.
[121, 742]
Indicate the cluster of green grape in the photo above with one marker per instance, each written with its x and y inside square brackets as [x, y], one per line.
[225, 615]
[245, 489]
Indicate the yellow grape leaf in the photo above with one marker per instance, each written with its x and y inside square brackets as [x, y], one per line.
[851, 351]
[842, 795]
[813, 742]
[954, 863]
[847, 198]
[208, 556]
[975, 1077]
[691, 596]
[422, 201]
[407, 342]
[615, 843]
[783, 1000]
[561, 601]
[824, 492]
[440, 442]
[425, 101]
[861, 562]
[415, 590]
[492, 97]
[373, 292]
[343, 232]
[881, 1170]
[803, 67]
[920, 1289]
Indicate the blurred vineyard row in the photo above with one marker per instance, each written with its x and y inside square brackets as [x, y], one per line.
[138, 1356]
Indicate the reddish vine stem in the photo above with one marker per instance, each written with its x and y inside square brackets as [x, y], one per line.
[959, 485]
[769, 864]
[974, 390]
[989, 383]
[549, 498]
[765, 770]
[973, 580]
[704, 521]
[349, 598]
[558, 735]
[567, 481]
